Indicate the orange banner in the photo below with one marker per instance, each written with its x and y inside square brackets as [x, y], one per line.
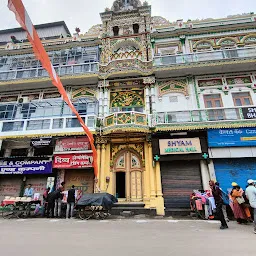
[24, 20]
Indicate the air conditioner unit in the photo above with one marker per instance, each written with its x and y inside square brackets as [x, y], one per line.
[22, 100]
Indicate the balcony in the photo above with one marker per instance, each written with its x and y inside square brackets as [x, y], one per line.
[126, 121]
[186, 60]
[207, 118]
[45, 126]
[39, 72]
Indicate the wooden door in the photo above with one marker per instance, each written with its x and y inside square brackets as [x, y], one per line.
[214, 101]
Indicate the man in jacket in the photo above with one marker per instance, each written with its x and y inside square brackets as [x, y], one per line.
[251, 195]
[71, 202]
[52, 197]
[217, 194]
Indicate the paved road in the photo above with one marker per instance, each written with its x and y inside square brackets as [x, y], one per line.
[123, 237]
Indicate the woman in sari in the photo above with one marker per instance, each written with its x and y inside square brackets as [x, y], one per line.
[240, 212]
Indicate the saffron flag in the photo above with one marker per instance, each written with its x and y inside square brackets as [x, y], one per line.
[24, 20]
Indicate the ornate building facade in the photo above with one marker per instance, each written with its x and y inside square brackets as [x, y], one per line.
[153, 93]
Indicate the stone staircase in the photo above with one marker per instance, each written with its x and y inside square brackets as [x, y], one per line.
[130, 209]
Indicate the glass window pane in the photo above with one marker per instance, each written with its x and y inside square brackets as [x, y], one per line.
[217, 104]
[238, 102]
[209, 104]
[247, 101]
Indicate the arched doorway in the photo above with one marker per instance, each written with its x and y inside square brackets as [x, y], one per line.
[128, 176]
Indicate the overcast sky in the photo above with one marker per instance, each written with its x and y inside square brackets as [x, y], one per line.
[85, 13]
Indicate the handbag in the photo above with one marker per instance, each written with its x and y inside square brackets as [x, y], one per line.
[240, 200]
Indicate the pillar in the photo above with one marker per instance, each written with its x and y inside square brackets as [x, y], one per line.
[101, 105]
[146, 179]
[107, 170]
[152, 176]
[147, 101]
[205, 174]
[105, 101]
[153, 98]
[159, 192]
[98, 157]
[102, 166]
[212, 171]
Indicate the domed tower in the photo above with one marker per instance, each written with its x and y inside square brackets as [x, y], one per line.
[126, 37]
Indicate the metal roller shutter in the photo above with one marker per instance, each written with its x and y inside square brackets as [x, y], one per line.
[179, 179]
[234, 170]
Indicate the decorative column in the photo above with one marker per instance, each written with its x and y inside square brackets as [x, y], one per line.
[101, 102]
[152, 176]
[159, 192]
[147, 100]
[146, 178]
[106, 105]
[102, 167]
[98, 147]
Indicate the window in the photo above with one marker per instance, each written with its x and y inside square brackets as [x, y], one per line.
[136, 28]
[242, 99]
[214, 101]
[19, 152]
[116, 31]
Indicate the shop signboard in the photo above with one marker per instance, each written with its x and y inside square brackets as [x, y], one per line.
[180, 146]
[243, 137]
[25, 166]
[73, 161]
[72, 144]
[41, 142]
[249, 113]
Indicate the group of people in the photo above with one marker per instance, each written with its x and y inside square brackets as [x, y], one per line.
[52, 201]
[240, 203]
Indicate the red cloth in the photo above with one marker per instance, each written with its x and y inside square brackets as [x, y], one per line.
[239, 212]
[199, 205]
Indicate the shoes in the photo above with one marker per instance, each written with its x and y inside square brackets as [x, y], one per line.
[255, 230]
[223, 227]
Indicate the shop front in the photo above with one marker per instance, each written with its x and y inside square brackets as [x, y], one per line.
[233, 152]
[16, 174]
[182, 165]
[78, 168]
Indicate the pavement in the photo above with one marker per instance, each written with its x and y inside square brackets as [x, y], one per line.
[124, 237]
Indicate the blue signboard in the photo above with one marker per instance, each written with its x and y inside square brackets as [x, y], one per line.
[244, 137]
[25, 166]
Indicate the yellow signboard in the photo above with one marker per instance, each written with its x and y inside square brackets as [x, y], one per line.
[180, 146]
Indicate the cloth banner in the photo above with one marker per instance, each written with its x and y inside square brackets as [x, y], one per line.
[17, 7]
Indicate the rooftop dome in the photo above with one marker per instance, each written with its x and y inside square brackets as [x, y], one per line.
[122, 5]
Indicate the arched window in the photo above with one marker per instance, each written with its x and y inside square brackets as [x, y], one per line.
[136, 28]
[116, 31]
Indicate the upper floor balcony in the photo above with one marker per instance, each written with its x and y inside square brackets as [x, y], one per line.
[240, 59]
[46, 117]
[126, 121]
[74, 61]
[205, 118]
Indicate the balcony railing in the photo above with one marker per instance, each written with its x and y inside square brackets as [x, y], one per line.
[196, 116]
[126, 118]
[205, 56]
[40, 72]
[46, 125]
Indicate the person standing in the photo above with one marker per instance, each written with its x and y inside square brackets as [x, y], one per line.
[71, 202]
[251, 195]
[225, 198]
[29, 191]
[238, 200]
[58, 202]
[217, 194]
[52, 198]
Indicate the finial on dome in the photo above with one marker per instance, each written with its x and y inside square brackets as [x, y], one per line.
[123, 5]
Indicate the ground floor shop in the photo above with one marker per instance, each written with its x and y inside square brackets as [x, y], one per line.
[17, 173]
[179, 179]
[183, 166]
[234, 170]
[233, 154]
